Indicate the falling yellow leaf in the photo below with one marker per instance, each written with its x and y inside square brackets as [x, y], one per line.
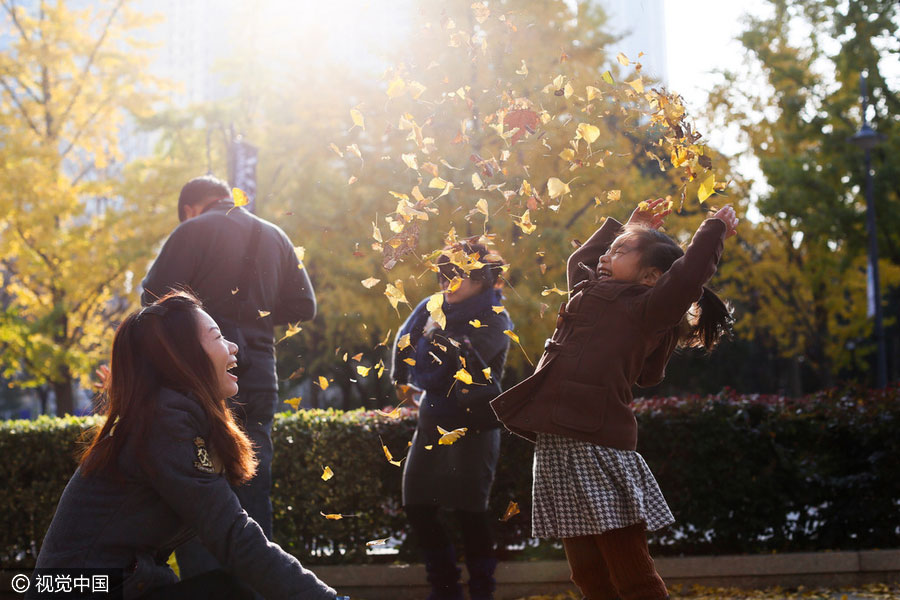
[294, 402]
[410, 361]
[396, 87]
[332, 516]
[553, 290]
[376, 233]
[292, 330]
[592, 93]
[395, 294]
[352, 180]
[380, 542]
[235, 291]
[364, 371]
[433, 306]
[487, 373]
[475, 323]
[480, 11]
[403, 341]
[454, 284]
[358, 120]
[498, 309]
[449, 437]
[429, 446]
[240, 198]
[463, 376]
[300, 252]
[323, 383]
[511, 511]
[263, 313]
[476, 181]
[614, 195]
[707, 187]
[567, 154]
[623, 60]
[556, 188]
[416, 89]
[327, 474]
[482, 207]
[511, 335]
[387, 453]
[355, 150]
[525, 223]
[568, 90]
[523, 70]
[410, 161]
[608, 78]
[370, 282]
[337, 150]
[637, 84]
[394, 414]
[437, 183]
[588, 132]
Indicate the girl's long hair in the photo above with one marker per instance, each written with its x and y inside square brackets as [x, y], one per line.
[711, 317]
[158, 347]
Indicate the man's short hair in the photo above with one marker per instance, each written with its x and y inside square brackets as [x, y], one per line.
[199, 190]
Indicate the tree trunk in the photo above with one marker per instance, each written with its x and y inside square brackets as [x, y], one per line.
[65, 398]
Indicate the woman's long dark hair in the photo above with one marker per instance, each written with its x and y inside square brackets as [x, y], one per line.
[711, 317]
[158, 347]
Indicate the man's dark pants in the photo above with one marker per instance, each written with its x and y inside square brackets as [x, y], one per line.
[254, 411]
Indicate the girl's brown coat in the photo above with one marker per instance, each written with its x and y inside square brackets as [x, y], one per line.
[609, 336]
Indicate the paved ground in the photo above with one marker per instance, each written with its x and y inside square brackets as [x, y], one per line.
[868, 592]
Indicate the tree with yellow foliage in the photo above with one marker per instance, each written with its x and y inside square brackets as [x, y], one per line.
[72, 239]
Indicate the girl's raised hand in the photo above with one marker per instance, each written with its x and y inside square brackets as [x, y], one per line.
[650, 215]
[726, 215]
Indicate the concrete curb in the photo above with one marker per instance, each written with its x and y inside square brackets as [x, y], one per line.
[519, 579]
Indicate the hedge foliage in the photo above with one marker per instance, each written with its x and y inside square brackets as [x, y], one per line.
[741, 474]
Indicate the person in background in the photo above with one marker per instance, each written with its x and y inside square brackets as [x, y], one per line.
[457, 476]
[157, 472]
[635, 296]
[246, 272]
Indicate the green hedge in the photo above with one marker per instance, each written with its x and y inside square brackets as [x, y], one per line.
[741, 474]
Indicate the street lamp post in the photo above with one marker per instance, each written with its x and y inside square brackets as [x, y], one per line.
[866, 138]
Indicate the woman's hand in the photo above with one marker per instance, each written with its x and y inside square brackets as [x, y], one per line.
[726, 215]
[102, 373]
[651, 213]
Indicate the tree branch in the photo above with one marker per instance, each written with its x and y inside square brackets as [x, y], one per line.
[19, 105]
[11, 9]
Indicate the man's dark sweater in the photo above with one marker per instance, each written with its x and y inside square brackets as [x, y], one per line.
[206, 253]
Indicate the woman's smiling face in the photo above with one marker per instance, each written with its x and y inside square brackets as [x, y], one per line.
[222, 354]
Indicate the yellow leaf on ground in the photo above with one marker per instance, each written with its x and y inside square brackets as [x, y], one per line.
[511, 511]
[294, 402]
[327, 474]
[449, 437]
[240, 198]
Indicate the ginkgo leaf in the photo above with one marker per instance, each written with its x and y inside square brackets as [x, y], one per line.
[395, 294]
[446, 190]
[480, 11]
[433, 306]
[292, 330]
[511, 510]
[525, 223]
[588, 132]
[394, 414]
[556, 188]
[294, 402]
[476, 181]
[397, 87]
[300, 253]
[476, 323]
[608, 78]
[614, 195]
[323, 383]
[380, 542]
[364, 371]
[429, 446]
[370, 282]
[332, 516]
[235, 291]
[567, 154]
[240, 198]
[482, 207]
[415, 89]
[464, 376]
[623, 60]
[337, 150]
[523, 70]
[263, 313]
[410, 161]
[357, 118]
[592, 93]
[403, 341]
[511, 335]
[437, 183]
[498, 309]
[387, 453]
[487, 373]
[410, 361]
[637, 84]
[553, 290]
[568, 90]
[327, 474]
[449, 437]
[707, 187]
